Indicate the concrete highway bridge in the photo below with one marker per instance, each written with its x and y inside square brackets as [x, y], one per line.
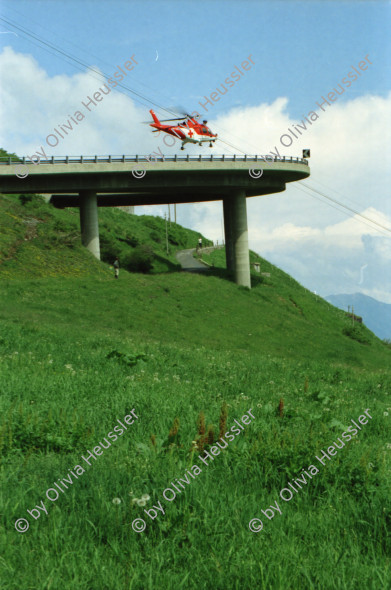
[89, 182]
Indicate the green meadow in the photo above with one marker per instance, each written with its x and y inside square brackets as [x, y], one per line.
[189, 354]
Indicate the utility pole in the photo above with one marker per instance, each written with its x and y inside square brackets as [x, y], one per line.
[165, 217]
[175, 212]
[169, 214]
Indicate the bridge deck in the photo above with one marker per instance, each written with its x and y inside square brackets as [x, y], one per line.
[135, 180]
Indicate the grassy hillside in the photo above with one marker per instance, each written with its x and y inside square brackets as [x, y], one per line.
[39, 240]
[190, 354]
[278, 316]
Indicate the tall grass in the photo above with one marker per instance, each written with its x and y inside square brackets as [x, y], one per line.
[190, 354]
[67, 377]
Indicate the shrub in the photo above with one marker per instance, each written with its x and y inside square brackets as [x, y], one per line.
[132, 241]
[172, 239]
[108, 248]
[141, 259]
[356, 333]
[156, 237]
[25, 199]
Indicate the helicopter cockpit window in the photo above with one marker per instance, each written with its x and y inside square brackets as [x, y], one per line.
[204, 130]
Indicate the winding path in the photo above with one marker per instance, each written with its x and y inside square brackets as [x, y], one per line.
[188, 262]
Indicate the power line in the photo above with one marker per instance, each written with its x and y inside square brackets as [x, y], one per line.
[102, 74]
[140, 97]
[360, 218]
[47, 46]
[387, 229]
[83, 49]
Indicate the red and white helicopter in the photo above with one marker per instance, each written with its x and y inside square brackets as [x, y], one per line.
[189, 131]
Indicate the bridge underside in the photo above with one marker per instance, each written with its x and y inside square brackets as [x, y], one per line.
[164, 197]
[107, 184]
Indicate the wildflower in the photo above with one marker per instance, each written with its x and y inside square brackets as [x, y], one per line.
[141, 502]
[135, 500]
[259, 405]
[385, 413]
[245, 397]
[145, 497]
[388, 445]
[116, 501]
[131, 493]
[50, 361]
[68, 367]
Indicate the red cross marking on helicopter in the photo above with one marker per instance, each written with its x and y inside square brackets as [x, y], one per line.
[191, 133]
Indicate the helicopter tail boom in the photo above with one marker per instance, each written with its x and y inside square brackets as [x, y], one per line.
[154, 117]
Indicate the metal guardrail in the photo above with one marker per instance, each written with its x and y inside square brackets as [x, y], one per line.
[109, 159]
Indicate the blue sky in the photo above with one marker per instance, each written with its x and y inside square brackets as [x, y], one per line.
[184, 50]
[300, 49]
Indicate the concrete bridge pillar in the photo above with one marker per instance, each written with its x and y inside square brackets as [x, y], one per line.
[229, 249]
[235, 218]
[89, 223]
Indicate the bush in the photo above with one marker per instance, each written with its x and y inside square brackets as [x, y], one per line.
[129, 241]
[132, 241]
[108, 248]
[25, 199]
[156, 237]
[356, 333]
[172, 239]
[141, 260]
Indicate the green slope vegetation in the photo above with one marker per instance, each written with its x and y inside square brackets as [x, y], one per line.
[278, 316]
[190, 353]
[194, 310]
[39, 240]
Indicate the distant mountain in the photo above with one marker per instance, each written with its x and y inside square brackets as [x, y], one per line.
[376, 315]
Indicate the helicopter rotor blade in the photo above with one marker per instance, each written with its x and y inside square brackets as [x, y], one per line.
[181, 109]
[163, 120]
[176, 119]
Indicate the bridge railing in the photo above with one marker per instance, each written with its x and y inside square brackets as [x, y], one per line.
[12, 161]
